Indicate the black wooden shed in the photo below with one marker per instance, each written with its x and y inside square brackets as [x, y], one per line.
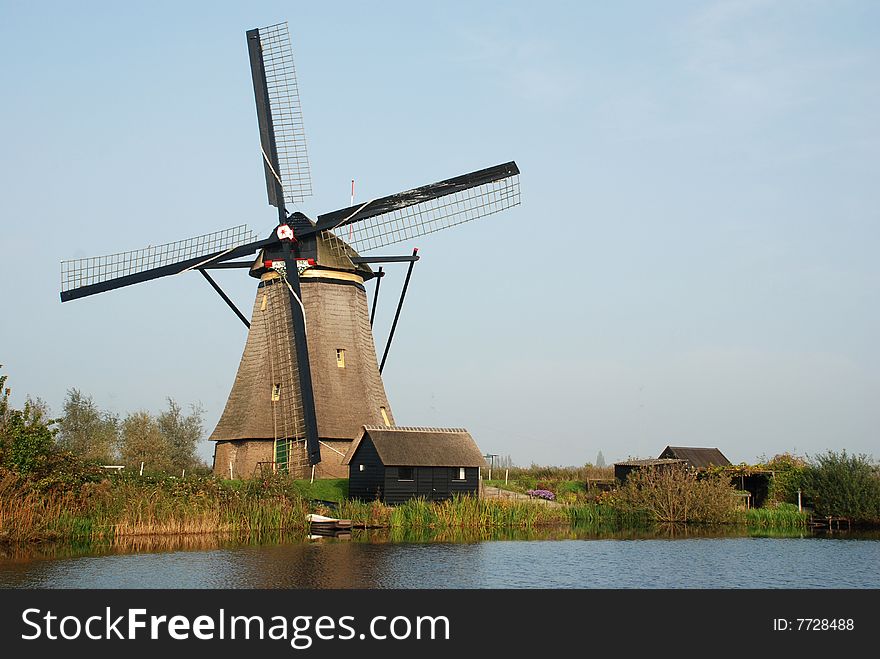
[397, 463]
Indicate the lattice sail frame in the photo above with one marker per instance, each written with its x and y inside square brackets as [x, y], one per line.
[426, 217]
[77, 273]
[287, 116]
[288, 418]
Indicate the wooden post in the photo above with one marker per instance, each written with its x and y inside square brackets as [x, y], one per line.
[506, 472]
[230, 470]
[313, 474]
[183, 475]
[800, 508]
[142, 469]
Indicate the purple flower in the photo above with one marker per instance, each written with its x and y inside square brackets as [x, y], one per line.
[542, 494]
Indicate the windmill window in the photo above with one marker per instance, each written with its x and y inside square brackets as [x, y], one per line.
[340, 357]
[360, 467]
[405, 474]
[276, 392]
[384, 414]
[459, 474]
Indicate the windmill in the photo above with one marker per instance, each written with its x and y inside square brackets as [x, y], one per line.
[308, 379]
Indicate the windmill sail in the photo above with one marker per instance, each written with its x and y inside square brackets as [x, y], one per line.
[83, 277]
[279, 112]
[426, 209]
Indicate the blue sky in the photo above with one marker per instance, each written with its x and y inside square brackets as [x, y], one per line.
[694, 261]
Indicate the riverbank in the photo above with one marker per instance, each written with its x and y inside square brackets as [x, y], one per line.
[118, 510]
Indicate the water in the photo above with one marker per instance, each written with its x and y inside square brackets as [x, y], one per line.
[575, 561]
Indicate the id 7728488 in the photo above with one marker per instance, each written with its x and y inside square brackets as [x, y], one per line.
[813, 624]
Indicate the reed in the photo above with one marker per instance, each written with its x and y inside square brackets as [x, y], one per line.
[112, 510]
[599, 515]
[27, 516]
[457, 512]
[371, 514]
[783, 517]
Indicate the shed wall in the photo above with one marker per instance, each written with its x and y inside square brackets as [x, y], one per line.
[366, 485]
[432, 483]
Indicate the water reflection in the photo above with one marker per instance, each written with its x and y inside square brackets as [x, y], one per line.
[167, 543]
[653, 532]
[663, 557]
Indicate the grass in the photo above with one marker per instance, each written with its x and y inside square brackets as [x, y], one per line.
[567, 483]
[331, 489]
[559, 487]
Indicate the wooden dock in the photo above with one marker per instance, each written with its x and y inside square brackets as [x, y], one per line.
[830, 523]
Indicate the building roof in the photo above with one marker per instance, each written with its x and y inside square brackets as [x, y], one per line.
[696, 457]
[420, 447]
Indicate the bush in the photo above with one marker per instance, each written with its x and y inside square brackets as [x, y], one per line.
[843, 485]
[678, 495]
[788, 477]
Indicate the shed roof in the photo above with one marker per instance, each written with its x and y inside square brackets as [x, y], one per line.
[420, 447]
[696, 457]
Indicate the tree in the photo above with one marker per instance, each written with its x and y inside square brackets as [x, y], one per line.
[4, 400]
[141, 440]
[85, 431]
[181, 433]
[843, 485]
[26, 437]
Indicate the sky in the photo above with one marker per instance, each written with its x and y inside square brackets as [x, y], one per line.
[694, 261]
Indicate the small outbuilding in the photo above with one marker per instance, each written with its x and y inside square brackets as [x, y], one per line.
[398, 463]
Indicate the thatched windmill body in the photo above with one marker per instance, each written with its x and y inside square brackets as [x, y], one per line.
[309, 378]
